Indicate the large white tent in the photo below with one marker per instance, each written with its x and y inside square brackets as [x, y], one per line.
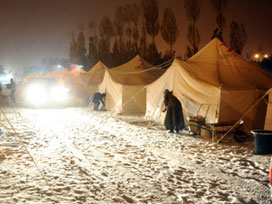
[216, 76]
[125, 86]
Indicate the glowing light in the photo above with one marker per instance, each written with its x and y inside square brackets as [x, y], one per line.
[59, 93]
[5, 78]
[59, 66]
[39, 95]
[266, 56]
[36, 95]
[9, 76]
[257, 56]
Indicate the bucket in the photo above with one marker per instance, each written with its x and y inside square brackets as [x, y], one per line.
[262, 141]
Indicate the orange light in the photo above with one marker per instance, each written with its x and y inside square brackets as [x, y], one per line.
[257, 56]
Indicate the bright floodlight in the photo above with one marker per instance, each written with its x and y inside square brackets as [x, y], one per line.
[36, 95]
[266, 56]
[8, 77]
[59, 66]
[59, 93]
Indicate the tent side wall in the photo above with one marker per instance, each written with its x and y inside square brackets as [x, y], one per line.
[268, 119]
[154, 96]
[259, 121]
[123, 99]
[113, 90]
[134, 100]
[234, 103]
[190, 91]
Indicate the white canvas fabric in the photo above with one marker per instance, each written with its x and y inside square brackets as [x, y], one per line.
[268, 119]
[125, 86]
[113, 90]
[215, 75]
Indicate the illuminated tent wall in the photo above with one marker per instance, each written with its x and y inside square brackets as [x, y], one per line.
[125, 86]
[215, 75]
[268, 119]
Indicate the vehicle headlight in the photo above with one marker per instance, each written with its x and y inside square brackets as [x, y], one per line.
[59, 93]
[36, 95]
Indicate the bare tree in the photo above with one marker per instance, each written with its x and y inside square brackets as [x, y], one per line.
[169, 29]
[128, 29]
[219, 6]
[238, 36]
[189, 52]
[192, 8]
[77, 53]
[118, 52]
[72, 51]
[193, 37]
[151, 15]
[143, 41]
[92, 56]
[106, 28]
[135, 14]
[80, 47]
[106, 33]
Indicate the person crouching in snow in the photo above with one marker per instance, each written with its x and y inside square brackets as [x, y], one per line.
[98, 98]
[174, 117]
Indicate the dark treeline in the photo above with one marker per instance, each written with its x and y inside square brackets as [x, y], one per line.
[134, 29]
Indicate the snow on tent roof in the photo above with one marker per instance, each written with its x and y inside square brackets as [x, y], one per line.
[133, 72]
[218, 65]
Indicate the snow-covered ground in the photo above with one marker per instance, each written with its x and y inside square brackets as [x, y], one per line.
[83, 156]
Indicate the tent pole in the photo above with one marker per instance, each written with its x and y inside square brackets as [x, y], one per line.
[217, 112]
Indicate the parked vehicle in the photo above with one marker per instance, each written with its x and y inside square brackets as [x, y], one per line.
[45, 92]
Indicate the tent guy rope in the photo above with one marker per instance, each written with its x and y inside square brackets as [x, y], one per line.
[29, 154]
[163, 65]
[250, 109]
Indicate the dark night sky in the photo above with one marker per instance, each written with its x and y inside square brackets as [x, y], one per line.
[34, 29]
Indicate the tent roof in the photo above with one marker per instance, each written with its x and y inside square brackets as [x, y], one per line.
[135, 72]
[96, 74]
[218, 65]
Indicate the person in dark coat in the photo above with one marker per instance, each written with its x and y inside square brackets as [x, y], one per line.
[12, 87]
[1, 88]
[98, 98]
[174, 116]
